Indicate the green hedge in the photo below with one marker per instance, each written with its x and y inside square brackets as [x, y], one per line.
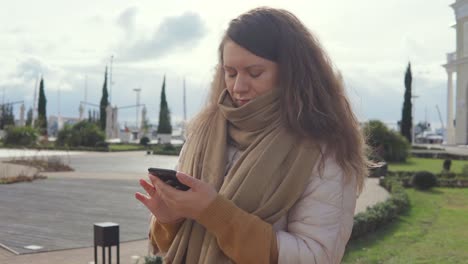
[444, 179]
[78, 148]
[166, 149]
[461, 183]
[381, 213]
[438, 155]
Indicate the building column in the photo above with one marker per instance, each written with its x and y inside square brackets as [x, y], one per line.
[22, 109]
[450, 128]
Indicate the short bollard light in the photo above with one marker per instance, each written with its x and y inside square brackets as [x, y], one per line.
[106, 235]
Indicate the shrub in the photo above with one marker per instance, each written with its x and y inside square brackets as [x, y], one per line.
[447, 174]
[83, 133]
[447, 164]
[102, 144]
[423, 180]
[21, 178]
[388, 145]
[153, 260]
[168, 147]
[465, 170]
[20, 136]
[144, 141]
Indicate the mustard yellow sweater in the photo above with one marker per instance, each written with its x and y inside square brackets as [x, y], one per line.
[243, 237]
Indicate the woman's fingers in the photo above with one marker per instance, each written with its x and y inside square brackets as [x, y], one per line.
[153, 179]
[150, 190]
[167, 191]
[142, 198]
[188, 180]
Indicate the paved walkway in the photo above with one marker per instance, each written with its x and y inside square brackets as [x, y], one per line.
[110, 189]
[372, 194]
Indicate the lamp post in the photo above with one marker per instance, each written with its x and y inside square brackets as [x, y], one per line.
[413, 108]
[137, 90]
[110, 80]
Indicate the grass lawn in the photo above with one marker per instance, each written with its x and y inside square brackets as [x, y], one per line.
[125, 147]
[432, 165]
[434, 230]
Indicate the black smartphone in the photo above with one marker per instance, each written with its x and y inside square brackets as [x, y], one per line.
[169, 177]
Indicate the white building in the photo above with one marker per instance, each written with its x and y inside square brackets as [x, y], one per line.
[55, 123]
[457, 63]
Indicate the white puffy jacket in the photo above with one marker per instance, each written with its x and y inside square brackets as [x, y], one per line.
[317, 228]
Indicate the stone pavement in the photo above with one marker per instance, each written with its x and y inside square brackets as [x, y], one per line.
[129, 251]
[372, 194]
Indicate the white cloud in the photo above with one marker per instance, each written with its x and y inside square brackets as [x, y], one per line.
[126, 20]
[370, 42]
[179, 33]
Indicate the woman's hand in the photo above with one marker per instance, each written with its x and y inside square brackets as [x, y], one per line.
[156, 204]
[190, 203]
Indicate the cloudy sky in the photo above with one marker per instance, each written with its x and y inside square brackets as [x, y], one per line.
[71, 42]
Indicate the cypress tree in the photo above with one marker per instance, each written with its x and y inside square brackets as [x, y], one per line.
[10, 116]
[41, 115]
[164, 126]
[406, 119]
[104, 103]
[3, 116]
[90, 117]
[29, 116]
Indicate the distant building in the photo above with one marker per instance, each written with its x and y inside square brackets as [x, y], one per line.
[429, 137]
[457, 63]
[55, 125]
[132, 134]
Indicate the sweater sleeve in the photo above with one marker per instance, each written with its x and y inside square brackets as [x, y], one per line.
[161, 234]
[243, 237]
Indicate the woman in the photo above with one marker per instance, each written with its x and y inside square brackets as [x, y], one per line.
[275, 160]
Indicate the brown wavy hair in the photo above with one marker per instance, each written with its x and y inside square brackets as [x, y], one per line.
[313, 99]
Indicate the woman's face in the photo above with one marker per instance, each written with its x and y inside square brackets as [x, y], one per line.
[247, 75]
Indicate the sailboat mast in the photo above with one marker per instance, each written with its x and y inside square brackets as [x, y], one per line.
[185, 104]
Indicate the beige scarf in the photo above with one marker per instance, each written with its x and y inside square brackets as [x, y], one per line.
[266, 181]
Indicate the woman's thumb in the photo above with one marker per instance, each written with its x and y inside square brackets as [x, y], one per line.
[187, 180]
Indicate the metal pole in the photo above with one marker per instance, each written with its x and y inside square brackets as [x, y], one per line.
[138, 109]
[185, 104]
[137, 90]
[34, 115]
[86, 92]
[118, 253]
[110, 80]
[413, 117]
